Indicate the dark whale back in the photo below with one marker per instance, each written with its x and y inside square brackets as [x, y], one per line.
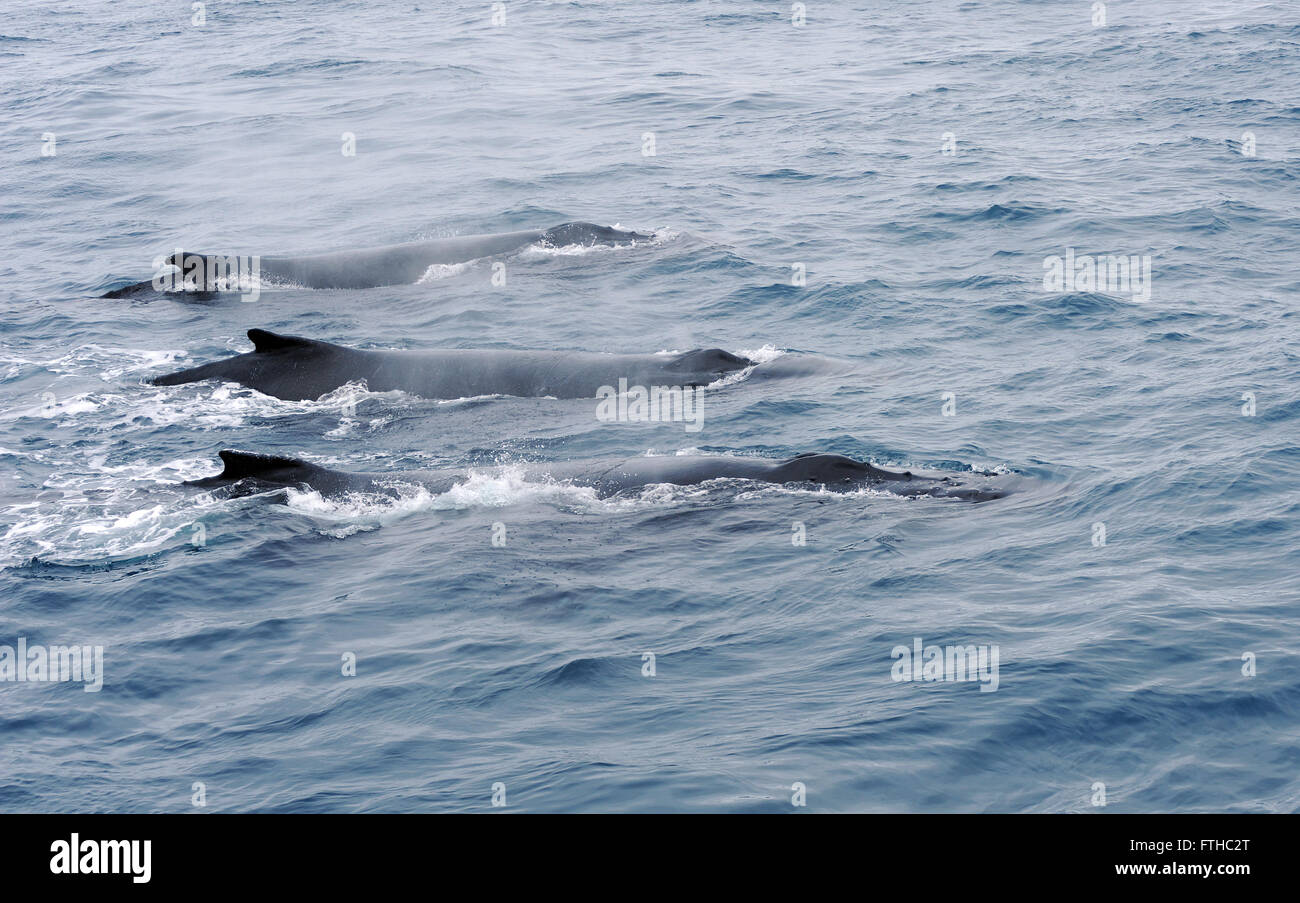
[298, 369]
[588, 234]
[247, 472]
[830, 469]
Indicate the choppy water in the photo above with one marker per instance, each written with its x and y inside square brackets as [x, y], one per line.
[775, 145]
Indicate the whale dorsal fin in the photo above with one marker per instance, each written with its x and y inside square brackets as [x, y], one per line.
[247, 464]
[270, 341]
[264, 468]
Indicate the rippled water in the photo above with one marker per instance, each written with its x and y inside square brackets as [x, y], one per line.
[1171, 131]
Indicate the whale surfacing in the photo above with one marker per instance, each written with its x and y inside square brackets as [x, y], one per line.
[247, 473]
[299, 369]
[373, 267]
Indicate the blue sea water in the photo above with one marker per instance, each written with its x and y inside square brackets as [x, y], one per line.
[920, 161]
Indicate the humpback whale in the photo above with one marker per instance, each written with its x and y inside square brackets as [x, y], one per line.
[246, 473]
[298, 369]
[371, 267]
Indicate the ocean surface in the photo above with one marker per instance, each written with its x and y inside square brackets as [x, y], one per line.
[916, 165]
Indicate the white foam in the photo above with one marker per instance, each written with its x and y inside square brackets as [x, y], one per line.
[230, 404]
[759, 357]
[90, 512]
[763, 355]
[111, 364]
[819, 492]
[344, 515]
[542, 251]
[510, 486]
[469, 398]
[990, 470]
[356, 512]
[444, 270]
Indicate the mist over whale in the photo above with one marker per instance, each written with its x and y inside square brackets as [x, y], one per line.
[364, 268]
